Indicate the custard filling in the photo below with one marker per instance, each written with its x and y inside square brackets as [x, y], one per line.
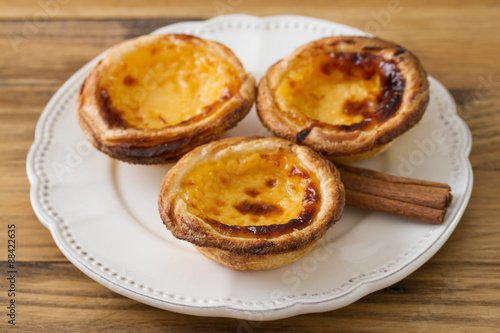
[259, 194]
[340, 89]
[165, 84]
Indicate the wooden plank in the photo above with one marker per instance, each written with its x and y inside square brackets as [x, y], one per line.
[435, 296]
[117, 9]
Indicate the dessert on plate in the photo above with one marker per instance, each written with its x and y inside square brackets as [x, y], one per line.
[153, 98]
[251, 203]
[346, 97]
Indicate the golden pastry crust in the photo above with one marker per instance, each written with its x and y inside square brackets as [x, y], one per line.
[346, 97]
[251, 203]
[153, 98]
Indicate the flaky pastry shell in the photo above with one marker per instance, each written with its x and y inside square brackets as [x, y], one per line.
[251, 203]
[153, 98]
[346, 97]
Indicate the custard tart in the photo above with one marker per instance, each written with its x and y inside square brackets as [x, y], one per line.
[346, 97]
[153, 98]
[251, 203]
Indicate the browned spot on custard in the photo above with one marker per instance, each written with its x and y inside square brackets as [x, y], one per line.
[257, 208]
[153, 50]
[327, 67]
[354, 108]
[294, 171]
[273, 159]
[311, 195]
[129, 81]
[110, 115]
[252, 192]
[271, 182]
[352, 64]
[310, 203]
[364, 66]
[225, 181]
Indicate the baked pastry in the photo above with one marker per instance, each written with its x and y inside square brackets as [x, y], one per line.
[153, 98]
[346, 97]
[251, 203]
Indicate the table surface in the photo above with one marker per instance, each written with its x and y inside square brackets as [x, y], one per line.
[44, 42]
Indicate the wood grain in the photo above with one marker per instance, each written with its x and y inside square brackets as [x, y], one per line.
[457, 290]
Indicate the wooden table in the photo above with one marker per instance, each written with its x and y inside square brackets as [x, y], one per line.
[44, 42]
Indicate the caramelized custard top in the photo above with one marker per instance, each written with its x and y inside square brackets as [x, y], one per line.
[259, 195]
[164, 84]
[347, 90]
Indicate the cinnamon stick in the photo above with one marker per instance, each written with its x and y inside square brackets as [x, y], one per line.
[412, 198]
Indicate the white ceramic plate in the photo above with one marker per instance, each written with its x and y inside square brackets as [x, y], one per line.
[103, 214]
